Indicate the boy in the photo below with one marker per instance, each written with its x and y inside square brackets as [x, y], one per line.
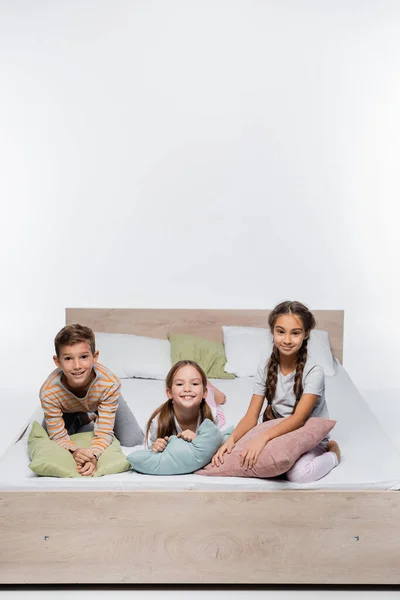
[80, 386]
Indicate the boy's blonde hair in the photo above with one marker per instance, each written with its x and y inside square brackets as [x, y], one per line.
[74, 334]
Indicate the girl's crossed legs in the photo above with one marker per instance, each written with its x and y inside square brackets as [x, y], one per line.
[315, 464]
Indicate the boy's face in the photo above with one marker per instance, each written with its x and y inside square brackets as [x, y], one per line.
[76, 361]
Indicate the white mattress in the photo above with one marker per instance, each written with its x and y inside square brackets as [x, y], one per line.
[369, 458]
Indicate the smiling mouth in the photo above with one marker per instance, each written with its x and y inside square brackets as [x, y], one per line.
[78, 374]
[186, 397]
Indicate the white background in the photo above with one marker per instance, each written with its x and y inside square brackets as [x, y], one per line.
[198, 153]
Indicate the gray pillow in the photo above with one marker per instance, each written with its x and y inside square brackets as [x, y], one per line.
[180, 457]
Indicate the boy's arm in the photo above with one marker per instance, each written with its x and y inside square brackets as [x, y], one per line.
[104, 431]
[55, 423]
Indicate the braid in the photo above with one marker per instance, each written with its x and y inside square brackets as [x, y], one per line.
[298, 378]
[299, 310]
[272, 379]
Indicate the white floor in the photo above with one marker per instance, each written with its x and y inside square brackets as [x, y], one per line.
[131, 594]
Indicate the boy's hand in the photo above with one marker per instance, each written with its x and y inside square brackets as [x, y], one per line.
[83, 455]
[187, 435]
[160, 444]
[88, 468]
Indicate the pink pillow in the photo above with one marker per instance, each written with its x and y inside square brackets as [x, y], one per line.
[278, 456]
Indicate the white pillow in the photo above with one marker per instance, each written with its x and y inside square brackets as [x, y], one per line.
[134, 355]
[319, 347]
[246, 347]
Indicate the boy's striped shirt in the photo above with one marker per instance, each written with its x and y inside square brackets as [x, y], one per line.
[102, 396]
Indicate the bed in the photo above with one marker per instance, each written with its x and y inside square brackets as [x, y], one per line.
[140, 529]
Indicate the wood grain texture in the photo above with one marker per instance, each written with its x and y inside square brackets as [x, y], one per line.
[153, 322]
[282, 537]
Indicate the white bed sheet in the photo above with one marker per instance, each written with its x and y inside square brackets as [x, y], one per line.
[369, 458]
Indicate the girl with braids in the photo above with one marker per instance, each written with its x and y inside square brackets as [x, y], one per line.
[191, 399]
[292, 386]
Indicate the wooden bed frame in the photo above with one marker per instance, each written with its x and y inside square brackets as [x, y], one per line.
[199, 537]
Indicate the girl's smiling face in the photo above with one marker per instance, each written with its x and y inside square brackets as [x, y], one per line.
[289, 334]
[187, 390]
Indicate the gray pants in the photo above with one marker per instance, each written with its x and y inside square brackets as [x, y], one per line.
[126, 428]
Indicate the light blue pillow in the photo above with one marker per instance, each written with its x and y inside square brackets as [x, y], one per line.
[180, 457]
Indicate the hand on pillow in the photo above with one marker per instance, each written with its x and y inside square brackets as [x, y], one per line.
[51, 460]
[274, 458]
[160, 444]
[178, 457]
[188, 435]
[88, 468]
[253, 449]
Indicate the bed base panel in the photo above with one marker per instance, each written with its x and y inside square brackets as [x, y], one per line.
[200, 537]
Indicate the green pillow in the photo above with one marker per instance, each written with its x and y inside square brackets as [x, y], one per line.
[180, 457]
[209, 355]
[49, 459]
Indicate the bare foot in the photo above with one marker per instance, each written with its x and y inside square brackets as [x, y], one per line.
[219, 396]
[334, 447]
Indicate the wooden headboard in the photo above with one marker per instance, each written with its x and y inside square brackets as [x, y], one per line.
[158, 322]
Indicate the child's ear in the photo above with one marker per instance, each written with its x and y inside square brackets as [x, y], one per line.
[169, 395]
[96, 356]
[56, 361]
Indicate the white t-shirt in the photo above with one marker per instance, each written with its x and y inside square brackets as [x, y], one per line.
[284, 399]
[154, 426]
